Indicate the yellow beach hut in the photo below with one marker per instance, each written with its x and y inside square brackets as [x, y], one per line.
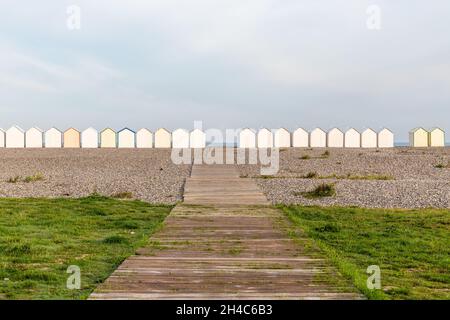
[418, 137]
[108, 138]
[71, 138]
[436, 137]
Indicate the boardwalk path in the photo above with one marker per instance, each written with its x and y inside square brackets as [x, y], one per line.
[223, 242]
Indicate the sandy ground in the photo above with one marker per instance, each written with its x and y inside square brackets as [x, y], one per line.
[148, 174]
[416, 182]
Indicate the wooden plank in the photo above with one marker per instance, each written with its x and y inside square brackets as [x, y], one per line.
[224, 242]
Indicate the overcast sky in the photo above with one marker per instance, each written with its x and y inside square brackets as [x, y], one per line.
[229, 63]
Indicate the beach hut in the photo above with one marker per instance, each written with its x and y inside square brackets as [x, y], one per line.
[318, 138]
[247, 138]
[15, 137]
[108, 138]
[436, 137]
[180, 139]
[53, 138]
[282, 138]
[265, 138]
[126, 138]
[197, 139]
[368, 139]
[34, 138]
[418, 137]
[335, 138]
[89, 138]
[300, 138]
[144, 139]
[72, 138]
[352, 139]
[162, 138]
[2, 138]
[385, 138]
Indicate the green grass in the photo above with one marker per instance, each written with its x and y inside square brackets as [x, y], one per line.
[412, 247]
[322, 190]
[40, 238]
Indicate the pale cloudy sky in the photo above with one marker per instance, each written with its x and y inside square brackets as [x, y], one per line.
[230, 63]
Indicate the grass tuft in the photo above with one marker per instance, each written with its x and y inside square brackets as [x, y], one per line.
[123, 195]
[322, 190]
[35, 177]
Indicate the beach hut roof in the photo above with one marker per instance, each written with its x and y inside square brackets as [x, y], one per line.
[417, 129]
[16, 127]
[126, 129]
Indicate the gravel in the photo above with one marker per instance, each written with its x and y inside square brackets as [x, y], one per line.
[414, 182]
[148, 174]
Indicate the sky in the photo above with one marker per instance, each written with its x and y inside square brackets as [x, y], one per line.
[228, 63]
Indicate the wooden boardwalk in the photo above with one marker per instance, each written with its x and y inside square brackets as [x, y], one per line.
[224, 242]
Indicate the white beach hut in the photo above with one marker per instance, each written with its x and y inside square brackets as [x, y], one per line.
[180, 139]
[368, 138]
[89, 138]
[34, 138]
[126, 138]
[436, 137]
[144, 139]
[318, 138]
[385, 138]
[2, 138]
[247, 138]
[15, 137]
[108, 138]
[282, 138]
[162, 138]
[197, 139]
[300, 138]
[335, 138]
[352, 139]
[53, 138]
[265, 138]
[418, 137]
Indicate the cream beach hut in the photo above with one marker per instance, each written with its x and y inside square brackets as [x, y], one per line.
[144, 139]
[162, 138]
[89, 138]
[335, 138]
[436, 137]
[126, 138]
[15, 137]
[108, 138]
[72, 138]
[2, 138]
[385, 138]
[34, 138]
[300, 138]
[247, 138]
[265, 138]
[368, 138]
[352, 139]
[282, 138]
[180, 139]
[418, 137]
[197, 139]
[53, 138]
[318, 138]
